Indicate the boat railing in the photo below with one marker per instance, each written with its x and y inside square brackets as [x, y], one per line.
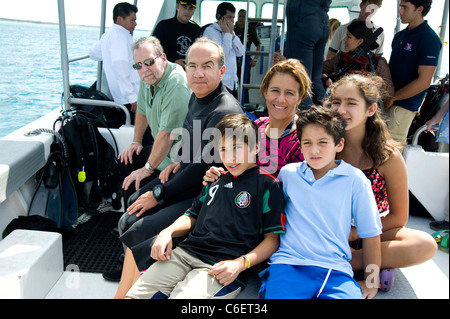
[79, 59]
[415, 139]
[69, 101]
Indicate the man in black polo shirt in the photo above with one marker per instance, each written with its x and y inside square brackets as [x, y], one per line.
[235, 223]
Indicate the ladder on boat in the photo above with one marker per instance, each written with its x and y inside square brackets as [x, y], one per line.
[266, 54]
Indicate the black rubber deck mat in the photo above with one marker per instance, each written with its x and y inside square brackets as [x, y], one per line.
[91, 247]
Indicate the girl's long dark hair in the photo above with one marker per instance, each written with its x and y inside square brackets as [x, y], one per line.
[377, 143]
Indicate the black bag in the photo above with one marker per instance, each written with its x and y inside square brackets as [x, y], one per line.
[34, 222]
[93, 163]
[112, 117]
[428, 109]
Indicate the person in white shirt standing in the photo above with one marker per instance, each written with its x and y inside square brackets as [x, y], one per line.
[114, 49]
[222, 32]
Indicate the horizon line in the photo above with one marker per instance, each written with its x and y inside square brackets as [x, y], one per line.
[57, 23]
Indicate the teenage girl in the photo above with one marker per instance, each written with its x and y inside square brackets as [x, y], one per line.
[369, 147]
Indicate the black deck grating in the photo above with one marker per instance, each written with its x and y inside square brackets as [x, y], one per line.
[91, 247]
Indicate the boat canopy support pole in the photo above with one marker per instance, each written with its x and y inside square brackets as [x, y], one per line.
[64, 54]
[442, 34]
[102, 30]
[399, 23]
[273, 32]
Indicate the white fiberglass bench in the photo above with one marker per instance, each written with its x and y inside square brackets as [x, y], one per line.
[31, 262]
[428, 177]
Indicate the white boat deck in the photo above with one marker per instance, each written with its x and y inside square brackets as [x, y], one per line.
[429, 280]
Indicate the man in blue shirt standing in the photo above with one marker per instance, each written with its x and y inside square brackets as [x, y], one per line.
[414, 57]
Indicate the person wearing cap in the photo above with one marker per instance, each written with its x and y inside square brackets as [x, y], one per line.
[178, 33]
[368, 8]
[349, 61]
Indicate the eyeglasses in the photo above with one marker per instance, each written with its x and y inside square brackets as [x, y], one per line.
[148, 62]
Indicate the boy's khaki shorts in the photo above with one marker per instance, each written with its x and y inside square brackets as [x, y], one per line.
[184, 276]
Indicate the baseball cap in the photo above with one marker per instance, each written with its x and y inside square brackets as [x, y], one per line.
[187, 2]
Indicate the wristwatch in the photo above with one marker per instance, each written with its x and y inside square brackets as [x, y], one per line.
[158, 193]
[149, 167]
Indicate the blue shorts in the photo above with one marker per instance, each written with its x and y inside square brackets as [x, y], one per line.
[281, 281]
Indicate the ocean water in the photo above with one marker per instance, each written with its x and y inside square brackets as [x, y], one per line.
[30, 69]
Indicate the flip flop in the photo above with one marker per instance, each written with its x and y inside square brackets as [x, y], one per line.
[439, 235]
[443, 245]
[387, 277]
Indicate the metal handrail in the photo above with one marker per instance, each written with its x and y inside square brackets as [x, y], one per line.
[73, 100]
[80, 58]
[68, 101]
[273, 36]
[420, 130]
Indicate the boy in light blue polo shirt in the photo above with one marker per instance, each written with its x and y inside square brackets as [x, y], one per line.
[322, 197]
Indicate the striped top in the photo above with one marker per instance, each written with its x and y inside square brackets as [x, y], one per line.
[275, 153]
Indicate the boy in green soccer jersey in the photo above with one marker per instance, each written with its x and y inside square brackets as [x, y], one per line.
[234, 224]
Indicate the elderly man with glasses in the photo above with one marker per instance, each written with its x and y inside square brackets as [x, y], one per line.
[162, 106]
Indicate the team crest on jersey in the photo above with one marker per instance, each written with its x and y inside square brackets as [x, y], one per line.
[242, 200]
